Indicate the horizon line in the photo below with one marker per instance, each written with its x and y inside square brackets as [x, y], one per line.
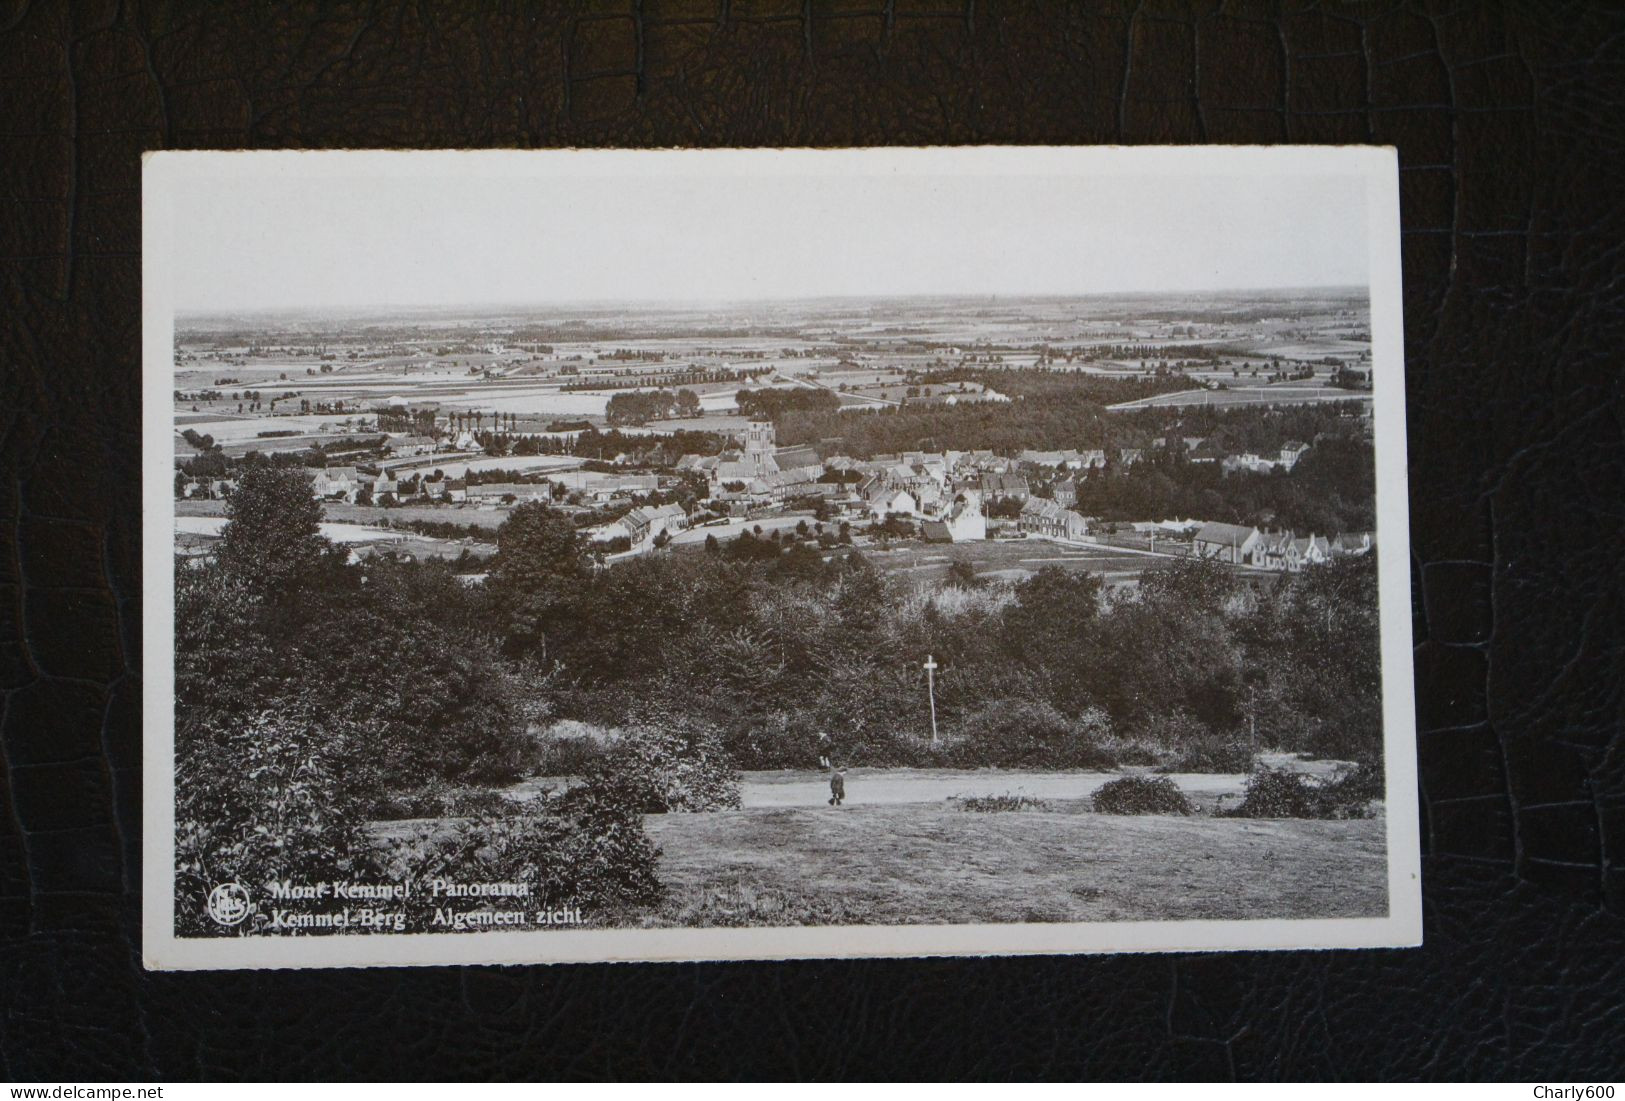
[216, 311]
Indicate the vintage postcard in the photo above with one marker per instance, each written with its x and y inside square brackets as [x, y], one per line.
[732, 554]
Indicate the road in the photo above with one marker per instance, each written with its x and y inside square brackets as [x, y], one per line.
[890, 787]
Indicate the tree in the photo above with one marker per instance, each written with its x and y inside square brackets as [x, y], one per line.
[538, 564]
[272, 536]
[1053, 616]
[962, 572]
[688, 403]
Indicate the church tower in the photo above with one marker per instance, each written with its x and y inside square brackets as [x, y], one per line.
[759, 448]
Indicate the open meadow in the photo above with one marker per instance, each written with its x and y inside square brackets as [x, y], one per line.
[934, 864]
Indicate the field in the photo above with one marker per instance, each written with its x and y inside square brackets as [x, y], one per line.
[370, 515]
[1013, 558]
[1248, 395]
[933, 864]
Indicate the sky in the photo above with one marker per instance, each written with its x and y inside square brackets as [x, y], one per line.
[356, 235]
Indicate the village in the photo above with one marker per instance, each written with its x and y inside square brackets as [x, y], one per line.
[756, 485]
[664, 430]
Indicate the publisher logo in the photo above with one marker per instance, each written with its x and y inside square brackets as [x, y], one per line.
[228, 903]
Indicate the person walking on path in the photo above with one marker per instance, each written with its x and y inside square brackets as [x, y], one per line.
[837, 786]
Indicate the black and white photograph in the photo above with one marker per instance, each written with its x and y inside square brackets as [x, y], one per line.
[672, 555]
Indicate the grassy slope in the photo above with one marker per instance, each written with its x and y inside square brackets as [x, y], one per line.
[925, 864]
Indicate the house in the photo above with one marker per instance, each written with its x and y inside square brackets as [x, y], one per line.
[786, 483]
[1013, 486]
[409, 445]
[1226, 542]
[456, 489]
[883, 498]
[1291, 452]
[648, 522]
[629, 483]
[1345, 544]
[1313, 550]
[798, 457]
[1066, 492]
[384, 484]
[1248, 461]
[1092, 460]
[1041, 458]
[336, 481]
[963, 522]
[1128, 456]
[493, 492]
[1040, 516]
[1277, 550]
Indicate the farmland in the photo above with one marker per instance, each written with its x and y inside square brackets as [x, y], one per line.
[550, 363]
[1242, 395]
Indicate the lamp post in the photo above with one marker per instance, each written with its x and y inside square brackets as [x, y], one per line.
[931, 694]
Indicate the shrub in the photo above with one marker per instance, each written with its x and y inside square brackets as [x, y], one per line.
[661, 770]
[1283, 793]
[1208, 753]
[570, 748]
[586, 848]
[440, 799]
[1142, 795]
[260, 800]
[1363, 783]
[989, 804]
[1277, 793]
[1034, 733]
[1186, 744]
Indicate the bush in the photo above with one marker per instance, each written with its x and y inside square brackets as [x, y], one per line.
[1186, 744]
[281, 797]
[1283, 793]
[1208, 753]
[440, 799]
[1033, 733]
[1142, 795]
[1276, 793]
[586, 848]
[661, 770]
[571, 748]
[1363, 783]
[260, 800]
[990, 804]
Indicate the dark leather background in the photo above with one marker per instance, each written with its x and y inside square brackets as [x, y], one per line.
[1507, 119]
